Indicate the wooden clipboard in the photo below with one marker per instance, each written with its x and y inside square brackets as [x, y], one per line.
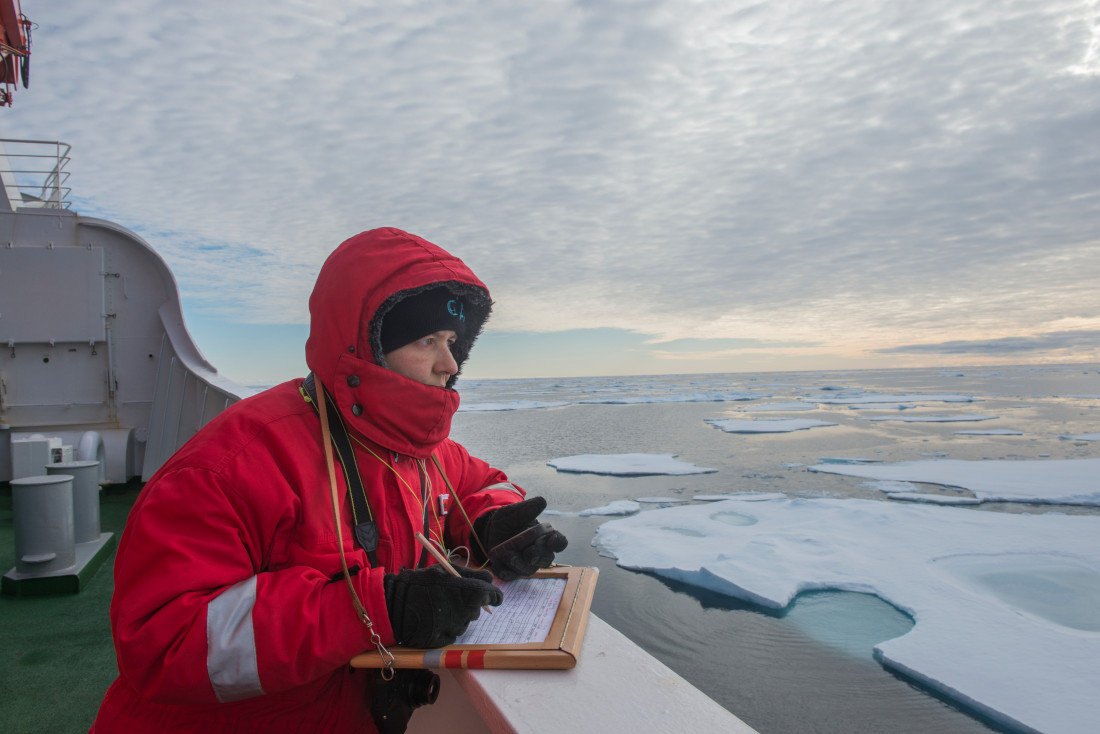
[559, 651]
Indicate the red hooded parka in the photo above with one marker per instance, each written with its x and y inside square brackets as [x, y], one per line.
[230, 611]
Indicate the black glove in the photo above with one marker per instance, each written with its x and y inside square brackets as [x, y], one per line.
[429, 607]
[522, 556]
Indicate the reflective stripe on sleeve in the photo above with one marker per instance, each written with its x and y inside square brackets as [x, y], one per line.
[506, 486]
[231, 643]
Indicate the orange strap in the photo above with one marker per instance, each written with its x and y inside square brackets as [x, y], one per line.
[360, 610]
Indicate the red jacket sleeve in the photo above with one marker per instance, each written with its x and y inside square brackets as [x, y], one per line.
[199, 617]
[480, 488]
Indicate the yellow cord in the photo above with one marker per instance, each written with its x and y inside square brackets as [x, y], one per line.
[401, 479]
[437, 536]
[360, 609]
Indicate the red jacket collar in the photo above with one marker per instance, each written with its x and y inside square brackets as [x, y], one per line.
[391, 410]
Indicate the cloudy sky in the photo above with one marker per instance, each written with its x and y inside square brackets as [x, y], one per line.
[658, 186]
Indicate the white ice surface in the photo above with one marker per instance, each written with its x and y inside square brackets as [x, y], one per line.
[509, 405]
[929, 418]
[991, 432]
[699, 397]
[890, 486]
[1059, 481]
[883, 406]
[934, 499]
[778, 407]
[618, 507]
[864, 398]
[766, 425]
[1083, 437]
[1006, 606]
[626, 465]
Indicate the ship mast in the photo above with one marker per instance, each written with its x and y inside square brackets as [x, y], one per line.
[15, 49]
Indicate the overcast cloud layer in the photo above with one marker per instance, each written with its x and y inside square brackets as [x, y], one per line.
[848, 182]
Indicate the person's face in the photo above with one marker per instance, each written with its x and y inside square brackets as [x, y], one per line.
[427, 360]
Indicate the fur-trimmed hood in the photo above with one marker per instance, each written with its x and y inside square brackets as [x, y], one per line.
[358, 285]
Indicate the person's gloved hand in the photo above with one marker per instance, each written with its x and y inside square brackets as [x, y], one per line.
[429, 607]
[527, 554]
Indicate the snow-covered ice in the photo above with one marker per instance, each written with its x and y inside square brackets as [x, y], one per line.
[1006, 606]
[743, 497]
[778, 407]
[626, 465]
[910, 493]
[1083, 437]
[929, 418]
[991, 432]
[766, 425]
[707, 397]
[865, 398]
[510, 405]
[934, 499]
[890, 486]
[617, 507]
[1058, 481]
[883, 406]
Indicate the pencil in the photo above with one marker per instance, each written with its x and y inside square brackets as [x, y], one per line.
[442, 560]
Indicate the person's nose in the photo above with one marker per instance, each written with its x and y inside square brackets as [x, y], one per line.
[446, 364]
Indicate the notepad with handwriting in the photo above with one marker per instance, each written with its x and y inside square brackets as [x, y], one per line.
[540, 625]
[526, 615]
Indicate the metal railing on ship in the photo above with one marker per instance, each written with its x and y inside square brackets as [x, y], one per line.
[34, 173]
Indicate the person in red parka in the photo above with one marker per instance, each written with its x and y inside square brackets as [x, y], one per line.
[234, 609]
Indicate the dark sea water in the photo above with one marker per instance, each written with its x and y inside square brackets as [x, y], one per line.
[808, 668]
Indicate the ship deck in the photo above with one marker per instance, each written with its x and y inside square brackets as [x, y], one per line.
[56, 655]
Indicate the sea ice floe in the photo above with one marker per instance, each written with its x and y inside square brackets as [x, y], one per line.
[617, 397]
[1006, 606]
[1057, 481]
[709, 397]
[929, 418]
[626, 465]
[890, 486]
[660, 500]
[616, 507]
[509, 405]
[934, 499]
[777, 408]
[883, 406]
[863, 398]
[766, 425]
[1083, 437]
[760, 496]
[991, 432]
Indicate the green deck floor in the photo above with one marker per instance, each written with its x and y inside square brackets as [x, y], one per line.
[56, 655]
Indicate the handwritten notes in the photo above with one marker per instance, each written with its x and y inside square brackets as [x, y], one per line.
[525, 616]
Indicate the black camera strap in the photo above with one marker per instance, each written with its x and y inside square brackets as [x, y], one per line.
[366, 529]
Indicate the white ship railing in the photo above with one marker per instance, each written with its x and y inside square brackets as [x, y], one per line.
[151, 389]
[34, 173]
